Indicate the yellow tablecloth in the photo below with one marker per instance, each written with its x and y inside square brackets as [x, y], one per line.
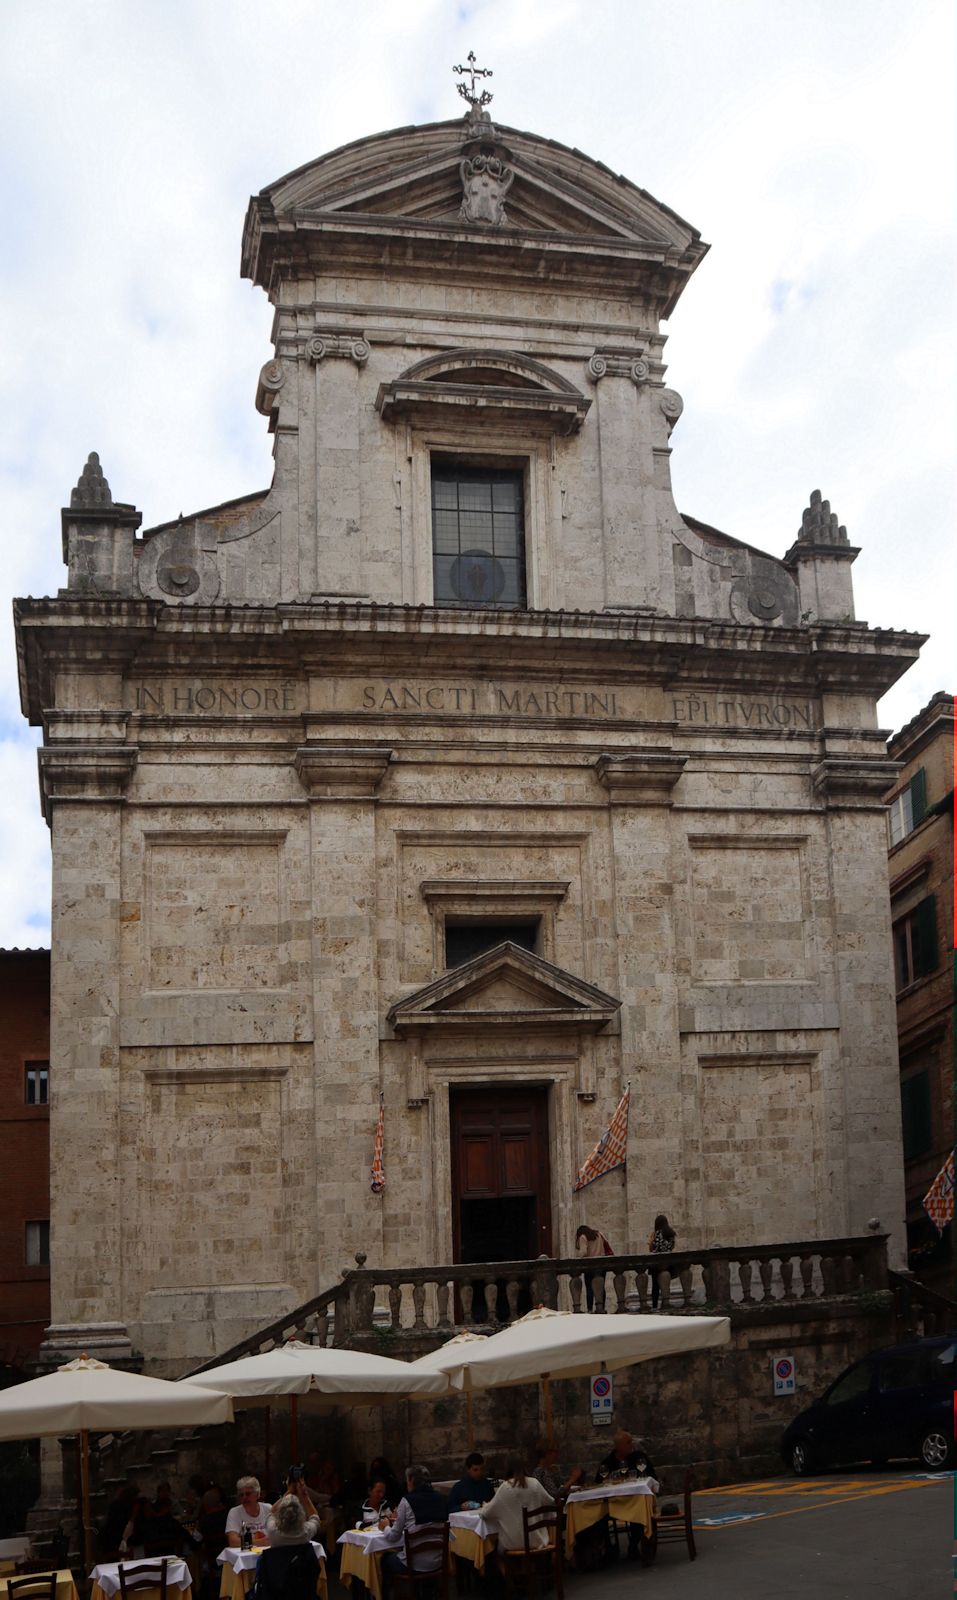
[463, 1542]
[355, 1562]
[96, 1593]
[235, 1585]
[65, 1587]
[582, 1514]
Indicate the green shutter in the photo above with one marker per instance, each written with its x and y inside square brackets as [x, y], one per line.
[925, 937]
[918, 796]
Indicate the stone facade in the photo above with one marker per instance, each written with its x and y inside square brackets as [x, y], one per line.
[277, 772]
[922, 912]
[25, 1176]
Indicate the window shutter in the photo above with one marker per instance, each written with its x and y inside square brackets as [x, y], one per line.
[918, 796]
[915, 1115]
[925, 937]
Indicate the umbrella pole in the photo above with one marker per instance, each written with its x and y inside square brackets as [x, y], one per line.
[549, 1429]
[294, 1425]
[85, 1498]
[468, 1419]
[268, 1447]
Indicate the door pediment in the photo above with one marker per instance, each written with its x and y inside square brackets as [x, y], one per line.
[506, 987]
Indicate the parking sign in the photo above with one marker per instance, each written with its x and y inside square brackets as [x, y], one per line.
[602, 1399]
[784, 1374]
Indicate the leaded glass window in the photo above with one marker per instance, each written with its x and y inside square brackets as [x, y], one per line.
[478, 537]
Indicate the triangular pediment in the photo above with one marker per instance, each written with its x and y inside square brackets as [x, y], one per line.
[505, 987]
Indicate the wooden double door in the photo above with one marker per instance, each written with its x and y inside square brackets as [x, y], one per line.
[500, 1174]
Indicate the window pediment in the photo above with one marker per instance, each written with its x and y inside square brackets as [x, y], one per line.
[503, 384]
[507, 987]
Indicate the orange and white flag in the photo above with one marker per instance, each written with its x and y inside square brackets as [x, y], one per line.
[378, 1145]
[611, 1151]
[939, 1200]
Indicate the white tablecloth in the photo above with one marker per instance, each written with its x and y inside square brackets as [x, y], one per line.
[474, 1521]
[370, 1543]
[245, 1560]
[608, 1491]
[108, 1576]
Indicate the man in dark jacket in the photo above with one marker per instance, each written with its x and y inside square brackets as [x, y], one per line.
[628, 1460]
[474, 1489]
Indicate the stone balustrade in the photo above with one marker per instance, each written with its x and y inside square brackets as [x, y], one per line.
[434, 1300]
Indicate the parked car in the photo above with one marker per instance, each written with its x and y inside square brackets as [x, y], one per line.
[895, 1402]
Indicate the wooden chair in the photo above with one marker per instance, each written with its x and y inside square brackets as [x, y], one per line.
[536, 1562]
[431, 1537]
[143, 1575]
[42, 1586]
[672, 1525]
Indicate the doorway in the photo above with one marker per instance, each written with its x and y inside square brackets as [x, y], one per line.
[500, 1174]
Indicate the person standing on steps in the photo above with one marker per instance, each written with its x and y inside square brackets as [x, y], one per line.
[589, 1242]
[661, 1242]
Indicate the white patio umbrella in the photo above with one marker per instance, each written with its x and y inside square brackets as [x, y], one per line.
[87, 1394]
[447, 1359]
[330, 1376]
[549, 1344]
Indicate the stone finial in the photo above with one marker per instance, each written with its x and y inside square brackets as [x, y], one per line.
[92, 490]
[819, 524]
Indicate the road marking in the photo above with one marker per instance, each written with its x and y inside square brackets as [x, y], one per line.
[825, 1505]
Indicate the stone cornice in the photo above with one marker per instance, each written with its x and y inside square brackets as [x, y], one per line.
[852, 784]
[640, 777]
[89, 774]
[341, 772]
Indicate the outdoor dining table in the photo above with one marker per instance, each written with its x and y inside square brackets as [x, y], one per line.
[65, 1586]
[471, 1537]
[239, 1571]
[106, 1578]
[629, 1501]
[361, 1557]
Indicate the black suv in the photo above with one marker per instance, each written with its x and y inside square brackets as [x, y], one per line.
[896, 1402]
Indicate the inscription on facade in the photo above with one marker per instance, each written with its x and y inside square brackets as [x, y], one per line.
[219, 698]
[718, 711]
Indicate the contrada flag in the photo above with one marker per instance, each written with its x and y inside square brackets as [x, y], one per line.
[378, 1145]
[939, 1199]
[611, 1151]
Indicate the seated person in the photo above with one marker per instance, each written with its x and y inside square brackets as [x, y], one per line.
[380, 1468]
[551, 1475]
[161, 1525]
[251, 1510]
[293, 1489]
[376, 1507]
[474, 1489]
[289, 1569]
[517, 1493]
[625, 1458]
[419, 1506]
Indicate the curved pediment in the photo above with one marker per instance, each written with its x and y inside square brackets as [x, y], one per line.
[506, 987]
[506, 384]
[416, 178]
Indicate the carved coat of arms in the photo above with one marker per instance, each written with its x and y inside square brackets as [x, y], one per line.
[485, 182]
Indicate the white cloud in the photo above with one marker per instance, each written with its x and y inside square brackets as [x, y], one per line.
[810, 142]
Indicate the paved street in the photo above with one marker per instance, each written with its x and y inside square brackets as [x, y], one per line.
[873, 1535]
[880, 1534]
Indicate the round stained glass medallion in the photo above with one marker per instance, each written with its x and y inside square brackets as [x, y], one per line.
[477, 577]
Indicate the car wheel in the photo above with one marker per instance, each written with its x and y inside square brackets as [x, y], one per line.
[802, 1461]
[937, 1450]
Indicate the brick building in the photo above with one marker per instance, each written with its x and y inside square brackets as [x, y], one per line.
[921, 835]
[25, 1170]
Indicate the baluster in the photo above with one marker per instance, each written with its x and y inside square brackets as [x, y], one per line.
[787, 1276]
[418, 1304]
[511, 1295]
[366, 1305]
[766, 1273]
[575, 1290]
[598, 1286]
[850, 1275]
[619, 1283]
[466, 1293]
[549, 1288]
[806, 1264]
[744, 1276]
[491, 1299]
[830, 1275]
[718, 1281]
[395, 1303]
[684, 1278]
[442, 1304]
[664, 1285]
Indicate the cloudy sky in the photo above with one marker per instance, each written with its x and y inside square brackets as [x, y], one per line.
[811, 142]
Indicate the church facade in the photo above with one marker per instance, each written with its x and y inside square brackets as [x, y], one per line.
[457, 773]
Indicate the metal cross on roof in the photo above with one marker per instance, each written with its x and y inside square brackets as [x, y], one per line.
[468, 91]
